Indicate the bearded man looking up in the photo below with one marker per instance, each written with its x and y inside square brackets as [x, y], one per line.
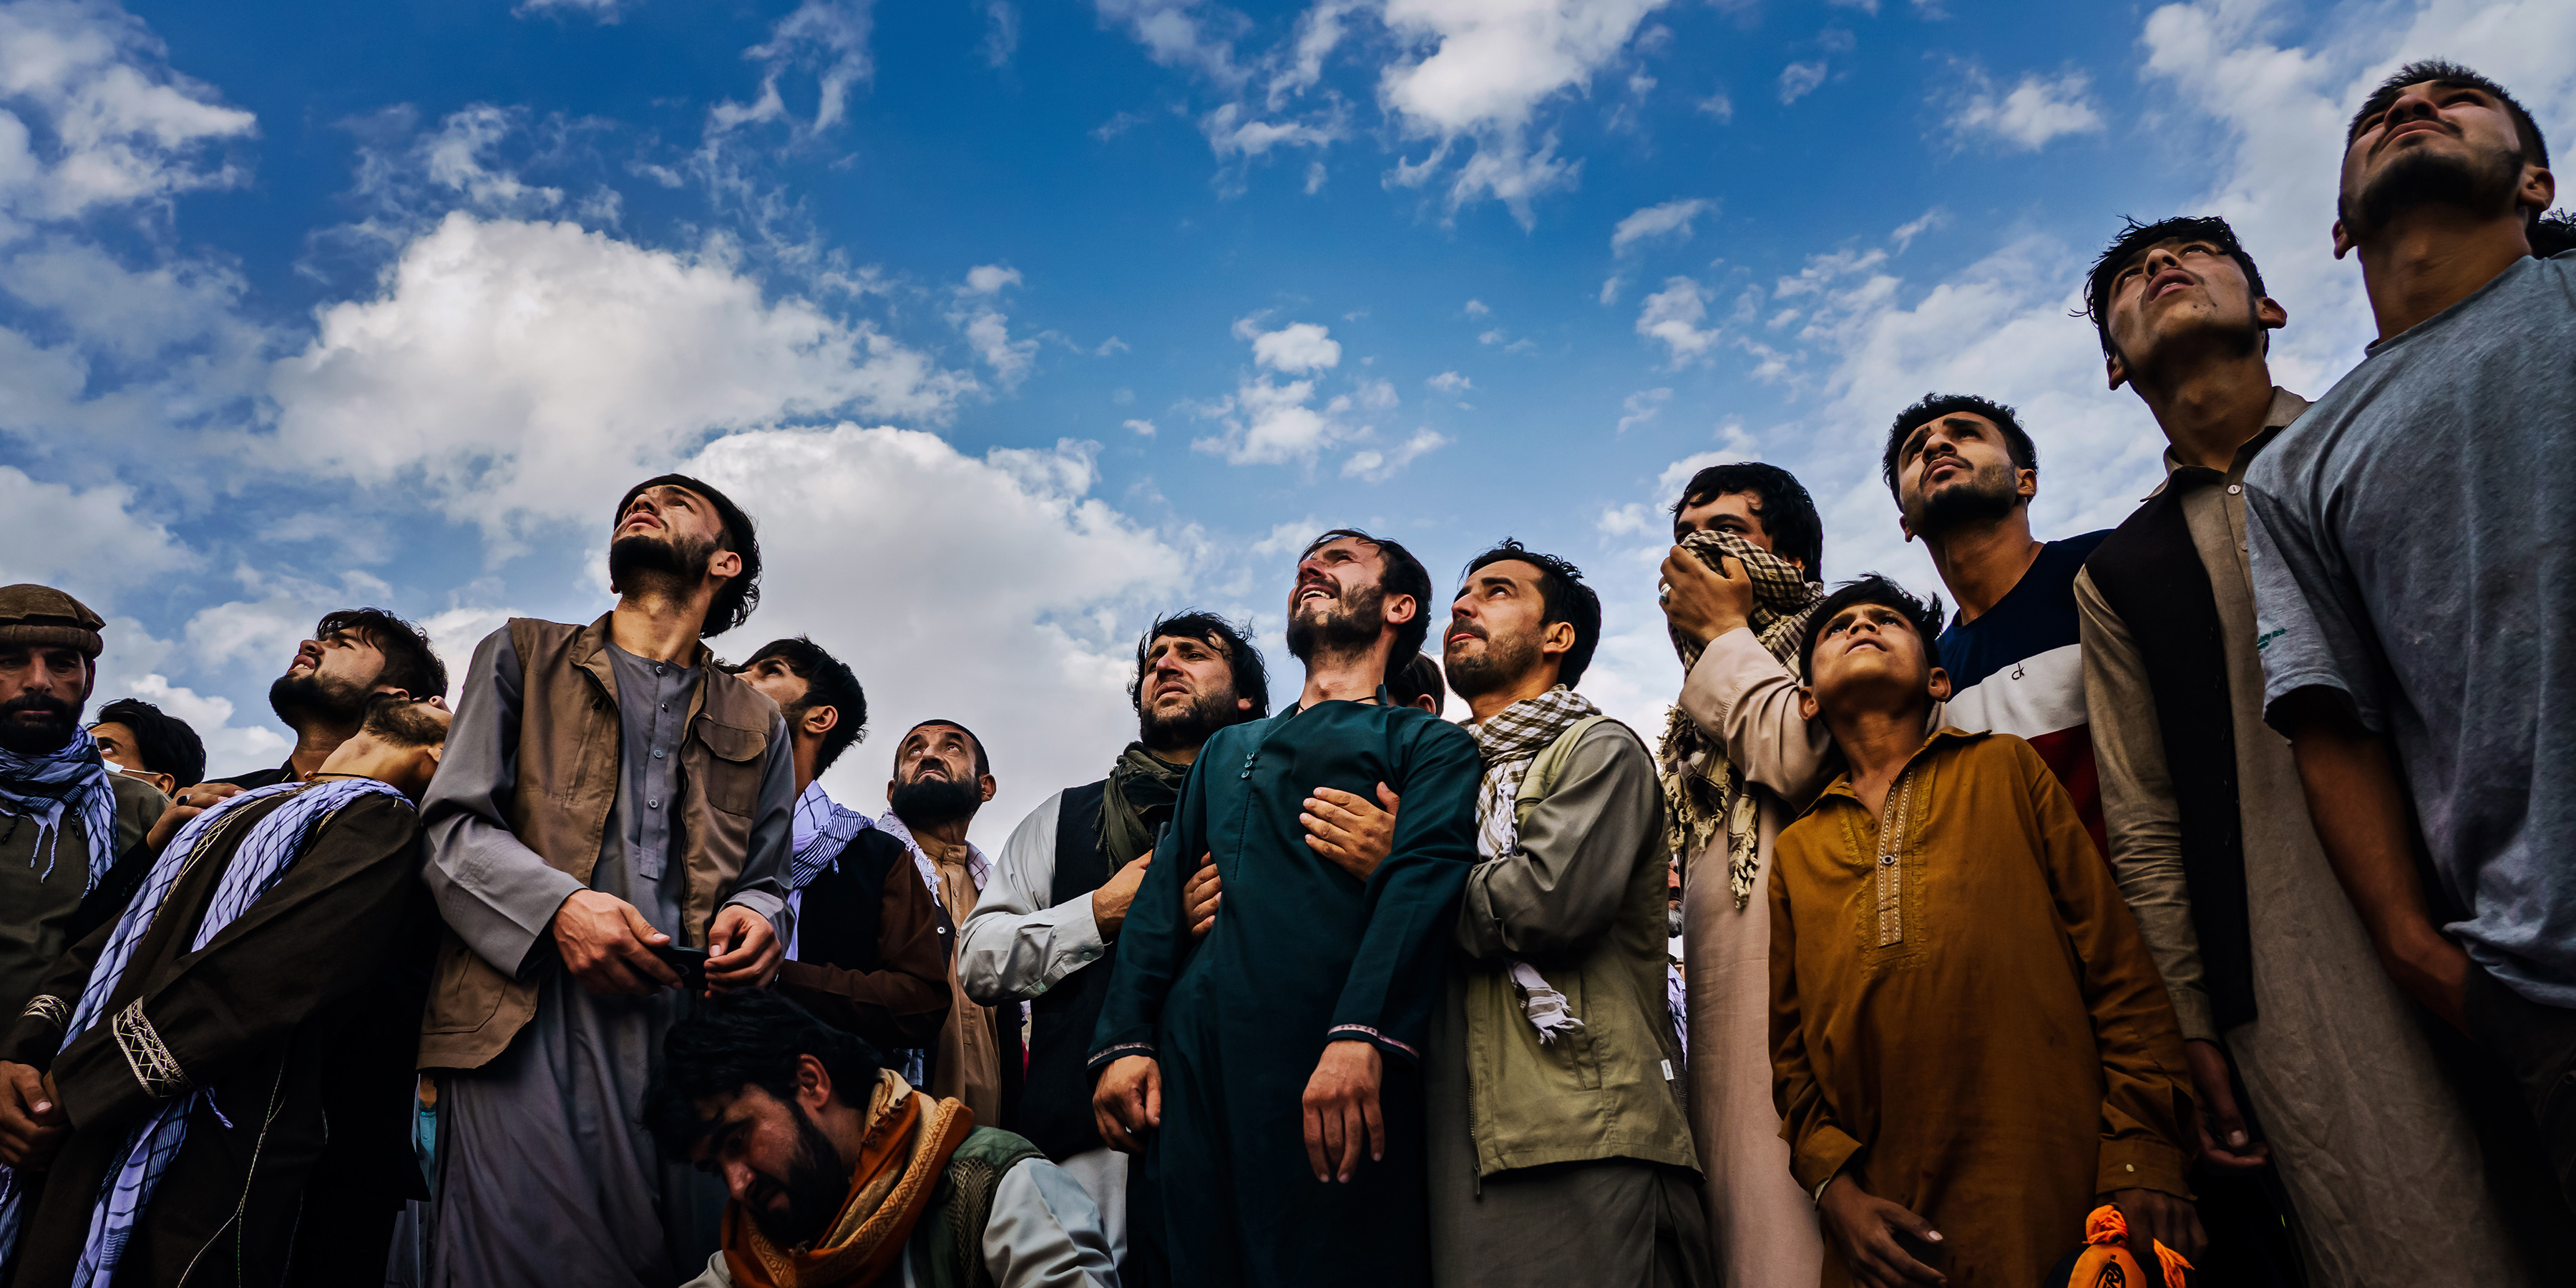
[2414, 654]
[1046, 931]
[65, 816]
[606, 793]
[355, 654]
[1269, 1073]
[941, 780]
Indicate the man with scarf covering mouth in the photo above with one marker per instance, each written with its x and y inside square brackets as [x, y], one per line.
[868, 948]
[1268, 1073]
[1046, 931]
[942, 778]
[217, 1077]
[1560, 1152]
[66, 816]
[844, 1176]
[1739, 763]
[608, 791]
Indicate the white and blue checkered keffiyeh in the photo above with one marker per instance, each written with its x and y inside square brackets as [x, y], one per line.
[822, 829]
[72, 777]
[265, 854]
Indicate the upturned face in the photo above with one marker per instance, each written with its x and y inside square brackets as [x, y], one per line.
[1957, 462]
[1334, 582]
[668, 531]
[1869, 657]
[2175, 292]
[774, 679]
[2434, 141]
[1498, 631]
[117, 745]
[1736, 512]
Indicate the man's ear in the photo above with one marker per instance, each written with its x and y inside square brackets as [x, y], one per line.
[1557, 640]
[2116, 370]
[889, 791]
[1940, 685]
[2539, 188]
[813, 1083]
[820, 720]
[2342, 240]
[437, 755]
[2269, 314]
[1243, 704]
[1412, 608]
[168, 783]
[2025, 484]
[989, 786]
[724, 563]
[1807, 705]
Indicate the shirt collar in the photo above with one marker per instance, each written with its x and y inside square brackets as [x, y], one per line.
[1946, 734]
[2286, 407]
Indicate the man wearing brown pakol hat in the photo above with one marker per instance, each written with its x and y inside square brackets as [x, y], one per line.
[65, 816]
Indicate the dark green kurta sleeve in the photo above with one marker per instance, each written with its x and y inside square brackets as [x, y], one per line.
[1155, 939]
[1413, 895]
[321, 933]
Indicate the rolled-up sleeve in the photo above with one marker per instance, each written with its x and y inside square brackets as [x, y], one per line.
[1016, 945]
[1741, 696]
[494, 891]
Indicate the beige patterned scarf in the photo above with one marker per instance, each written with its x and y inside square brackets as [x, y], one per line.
[1703, 792]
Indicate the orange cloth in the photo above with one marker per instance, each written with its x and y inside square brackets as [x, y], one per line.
[2107, 1262]
[1974, 1030]
[901, 1160]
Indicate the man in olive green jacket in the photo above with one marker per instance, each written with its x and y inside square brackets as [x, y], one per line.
[1559, 1149]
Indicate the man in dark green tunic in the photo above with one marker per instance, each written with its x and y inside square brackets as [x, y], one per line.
[1270, 1074]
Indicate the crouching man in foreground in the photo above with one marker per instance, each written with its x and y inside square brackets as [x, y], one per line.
[842, 1174]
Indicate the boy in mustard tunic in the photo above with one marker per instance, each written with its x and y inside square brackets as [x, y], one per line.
[1970, 1046]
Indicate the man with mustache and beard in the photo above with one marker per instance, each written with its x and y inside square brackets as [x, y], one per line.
[2210, 838]
[1559, 1149]
[607, 793]
[1269, 1073]
[65, 817]
[355, 654]
[1963, 473]
[941, 780]
[1046, 931]
[218, 1078]
[845, 1176]
[2413, 545]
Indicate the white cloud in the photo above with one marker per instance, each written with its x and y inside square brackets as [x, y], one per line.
[2035, 111]
[85, 542]
[112, 125]
[1377, 395]
[604, 11]
[1231, 132]
[1906, 232]
[1673, 315]
[1143, 428]
[519, 369]
[1296, 348]
[1663, 220]
[1642, 406]
[1477, 308]
[1450, 382]
[989, 279]
[1268, 423]
[1797, 80]
[1175, 35]
[1610, 289]
[828, 38]
[1377, 467]
[1001, 32]
[1035, 660]
[1491, 65]
[1717, 105]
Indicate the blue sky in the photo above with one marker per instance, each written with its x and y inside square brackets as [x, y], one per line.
[1016, 322]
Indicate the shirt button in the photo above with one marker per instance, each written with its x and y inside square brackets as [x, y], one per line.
[2129, 1167]
[657, 753]
[652, 804]
[2234, 489]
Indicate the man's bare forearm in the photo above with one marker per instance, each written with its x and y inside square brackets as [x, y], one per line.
[2358, 801]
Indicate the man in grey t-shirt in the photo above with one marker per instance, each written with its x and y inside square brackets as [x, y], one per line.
[2414, 558]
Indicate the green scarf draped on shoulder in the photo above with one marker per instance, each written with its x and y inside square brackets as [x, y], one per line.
[1142, 790]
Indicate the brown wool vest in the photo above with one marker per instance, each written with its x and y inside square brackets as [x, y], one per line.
[568, 775]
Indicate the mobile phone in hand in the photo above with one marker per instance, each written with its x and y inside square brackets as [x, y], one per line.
[690, 964]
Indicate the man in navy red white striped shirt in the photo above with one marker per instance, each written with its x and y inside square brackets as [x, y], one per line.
[1964, 473]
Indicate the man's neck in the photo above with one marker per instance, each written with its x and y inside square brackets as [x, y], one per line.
[1173, 755]
[1876, 745]
[1482, 707]
[1981, 563]
[656, 627]
[364, 758]
[314, 744]
[2433, 257]
[2208, 412]
[940, 839]
[1346, 677]
[804, 752]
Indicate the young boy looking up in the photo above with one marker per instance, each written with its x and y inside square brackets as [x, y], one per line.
[1970, 1046]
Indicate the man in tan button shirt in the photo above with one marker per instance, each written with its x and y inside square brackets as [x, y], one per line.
[941, 778]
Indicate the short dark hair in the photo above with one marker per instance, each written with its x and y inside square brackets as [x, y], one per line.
[1404, 575]
[2553, 234]
[164, 741]
[748, 1037]
[983, 763]
[1419, 678]
[1251, 674]
[735, 600]
[2137, 237]
[1872, 588]
[2442, 71]
[411, 665]
[1563, 597]
[1788, 513]
[829, 682]
[1931, 407]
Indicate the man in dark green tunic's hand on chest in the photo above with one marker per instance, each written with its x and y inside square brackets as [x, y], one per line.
[1269, 1074]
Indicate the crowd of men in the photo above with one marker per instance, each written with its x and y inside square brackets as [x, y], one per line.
[2192, 903]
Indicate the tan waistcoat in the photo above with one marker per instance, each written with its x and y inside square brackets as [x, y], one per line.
[568, 775]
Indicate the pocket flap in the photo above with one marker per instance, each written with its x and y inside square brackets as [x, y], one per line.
[731, 742]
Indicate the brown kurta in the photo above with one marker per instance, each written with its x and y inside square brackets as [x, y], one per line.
[299, 1018]
[968, 1064]
[1972, 1027]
